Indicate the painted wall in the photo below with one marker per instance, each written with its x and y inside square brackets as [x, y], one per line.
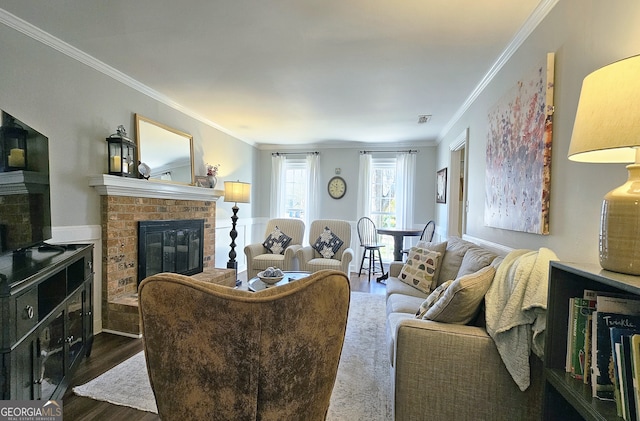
[347, 159]
[585, 35]
[77, 107]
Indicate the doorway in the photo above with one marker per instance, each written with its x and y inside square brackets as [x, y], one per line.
[457, 213]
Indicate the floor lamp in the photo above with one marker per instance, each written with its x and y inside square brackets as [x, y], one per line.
[237, 192]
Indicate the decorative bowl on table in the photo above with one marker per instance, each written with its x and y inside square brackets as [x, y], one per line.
[271, 276]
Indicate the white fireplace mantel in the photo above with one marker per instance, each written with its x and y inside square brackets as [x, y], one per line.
[112, 185]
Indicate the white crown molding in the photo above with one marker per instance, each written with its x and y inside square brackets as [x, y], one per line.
[461, 141]
[45, 38]
[541, 11]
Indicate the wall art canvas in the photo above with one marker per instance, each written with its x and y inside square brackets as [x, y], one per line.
[441, 186]
[518, 158]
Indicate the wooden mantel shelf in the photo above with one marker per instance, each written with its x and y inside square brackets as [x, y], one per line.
[112, 185]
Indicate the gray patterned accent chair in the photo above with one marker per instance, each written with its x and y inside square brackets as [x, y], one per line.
[312, 261]
[259, 258]
[219, 353]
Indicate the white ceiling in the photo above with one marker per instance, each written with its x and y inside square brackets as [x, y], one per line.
[296, 72]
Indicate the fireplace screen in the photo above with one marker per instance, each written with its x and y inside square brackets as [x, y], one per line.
[170, 246]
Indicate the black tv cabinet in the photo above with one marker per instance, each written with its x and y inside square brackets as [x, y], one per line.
[46, 310]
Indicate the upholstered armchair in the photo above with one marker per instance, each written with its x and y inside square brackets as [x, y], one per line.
[218, 353]
[311, 260]
[259, 257]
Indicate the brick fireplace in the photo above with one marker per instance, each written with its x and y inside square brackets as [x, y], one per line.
[125, 202]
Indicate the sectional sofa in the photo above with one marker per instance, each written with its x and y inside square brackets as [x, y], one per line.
[451, 369]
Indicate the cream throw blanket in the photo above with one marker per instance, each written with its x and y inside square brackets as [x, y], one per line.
[516, 305]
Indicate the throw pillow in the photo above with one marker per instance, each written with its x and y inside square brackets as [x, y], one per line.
[462, 300]
[277, 241]
[440, 248]
[452, 259]
[328, 244]
[419, 269]
[431, 299]
[475, 259]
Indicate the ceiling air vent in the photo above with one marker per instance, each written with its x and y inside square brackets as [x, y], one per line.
[424, 118]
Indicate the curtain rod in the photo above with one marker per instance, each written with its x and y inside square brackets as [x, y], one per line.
[294, 153]
[407, 151]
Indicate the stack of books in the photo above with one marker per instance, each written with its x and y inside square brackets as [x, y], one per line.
[603, 348]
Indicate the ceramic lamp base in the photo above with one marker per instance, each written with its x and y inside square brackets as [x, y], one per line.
[620, 226]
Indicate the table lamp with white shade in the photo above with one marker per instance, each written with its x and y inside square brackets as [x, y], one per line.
[607, 130]
[237, 192]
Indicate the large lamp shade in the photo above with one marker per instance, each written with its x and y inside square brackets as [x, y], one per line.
[607, 130]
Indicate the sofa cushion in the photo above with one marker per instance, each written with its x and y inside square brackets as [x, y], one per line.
[277, 241]
[393, 320]
[452, 259]
[431, 299]
[327, 244]
[398, 303]
[419, 269]
[462, 299]
[440, 248]
[475, 259]
[396, 286]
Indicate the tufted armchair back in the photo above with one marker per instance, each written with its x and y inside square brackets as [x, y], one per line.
[218, 353]
[294, 228]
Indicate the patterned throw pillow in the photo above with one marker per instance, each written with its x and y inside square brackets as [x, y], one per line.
[327, 244]
[462, 300]
[277, 241]
[432, 298]
[419, 269]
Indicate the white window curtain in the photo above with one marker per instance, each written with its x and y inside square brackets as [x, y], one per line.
[364, 195]
[313, 191]
[278, 173]
[405, 176]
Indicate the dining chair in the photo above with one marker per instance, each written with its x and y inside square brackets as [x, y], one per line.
[369, 242]
[427, 234]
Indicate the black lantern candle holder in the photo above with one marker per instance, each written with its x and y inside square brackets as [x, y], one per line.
[13, 145]
[121, 154]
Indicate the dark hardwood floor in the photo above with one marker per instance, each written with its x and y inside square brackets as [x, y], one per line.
[110, 350]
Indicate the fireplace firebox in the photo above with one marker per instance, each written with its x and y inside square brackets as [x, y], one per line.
[170, 246]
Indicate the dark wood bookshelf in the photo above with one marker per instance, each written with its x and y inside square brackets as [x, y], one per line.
[565, 397]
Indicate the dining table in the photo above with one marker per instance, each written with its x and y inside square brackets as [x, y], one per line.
[398, 238]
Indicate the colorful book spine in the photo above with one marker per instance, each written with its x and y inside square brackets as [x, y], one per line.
[582, 308]
[602, 382]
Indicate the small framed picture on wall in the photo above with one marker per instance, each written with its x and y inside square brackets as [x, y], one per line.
[441, 186]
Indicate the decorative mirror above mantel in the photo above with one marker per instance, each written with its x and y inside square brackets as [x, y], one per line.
[167, 151]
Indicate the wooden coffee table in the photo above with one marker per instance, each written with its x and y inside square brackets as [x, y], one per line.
[255, 284]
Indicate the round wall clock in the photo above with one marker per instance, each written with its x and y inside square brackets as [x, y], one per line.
[337, 187]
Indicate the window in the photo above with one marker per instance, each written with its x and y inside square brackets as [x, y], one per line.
[296, 176]
[382, 206]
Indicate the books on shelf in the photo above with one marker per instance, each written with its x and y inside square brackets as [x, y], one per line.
[582, 309]
[601, 328]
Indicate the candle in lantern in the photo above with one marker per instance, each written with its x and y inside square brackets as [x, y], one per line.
[115, 163]
[16, 158]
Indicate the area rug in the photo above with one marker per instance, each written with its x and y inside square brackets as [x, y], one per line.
[362, 390]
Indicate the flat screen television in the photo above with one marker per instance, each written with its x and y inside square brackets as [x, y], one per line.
[25, 204]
